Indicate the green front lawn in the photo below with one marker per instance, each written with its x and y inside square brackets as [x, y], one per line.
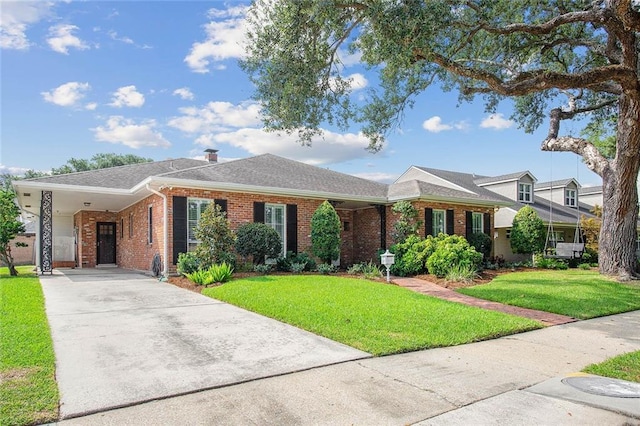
[576, 293]
[625, 367]
[28, 390]
[377, 318]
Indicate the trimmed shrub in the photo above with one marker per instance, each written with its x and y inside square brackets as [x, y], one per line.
[262, 268]
[528, 232]
[452, 251]
[326, 268]
[412, 255]
[187, 263]
[482, 243]
[550, 263]
[286, 264]
[325, 233]
[215, 236]
[258, 240]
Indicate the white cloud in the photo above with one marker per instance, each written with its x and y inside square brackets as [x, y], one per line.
[68, 94]
[377, 176]
[127, 96]
[224, 39]
[14, 171]
[356, 82]
[184, 92]
[217, 116]
[435, 125]
[327, 149]
[119, 130]
[349, 59]
[91, 106]
[15, 18]
[114, 36]
[61, 38]
[497, 122]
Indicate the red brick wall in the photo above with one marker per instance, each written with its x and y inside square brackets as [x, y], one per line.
[86, 222]
[133, 249]
[360, 243]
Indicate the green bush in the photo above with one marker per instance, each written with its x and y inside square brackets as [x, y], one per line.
[412, 255]
[407, 223]
[258, 240]
[368, 269]
[262, 268]
[325, 233]
[187, 263]
[286, 264]
[221, 273]
[326, 268]
[462, 273]
[585, 266]
[452, 251]
[550, 263]
[218, 273]
[482, 243]
[215, 236]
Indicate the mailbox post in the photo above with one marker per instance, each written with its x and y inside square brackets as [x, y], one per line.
[387, 259]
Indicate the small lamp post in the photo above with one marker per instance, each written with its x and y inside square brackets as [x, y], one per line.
[387, 259]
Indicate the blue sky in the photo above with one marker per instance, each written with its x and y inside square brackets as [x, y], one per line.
[160, 79]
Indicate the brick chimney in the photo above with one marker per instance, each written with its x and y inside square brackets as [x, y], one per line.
[211, 155]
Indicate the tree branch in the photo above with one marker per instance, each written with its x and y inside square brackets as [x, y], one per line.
[591, 15]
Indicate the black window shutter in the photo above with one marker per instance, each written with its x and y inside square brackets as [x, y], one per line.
[292, 228]
[382, 210]
[450, 222]
[222, 204]
[258, 212]
[179, 227]
[487, 223]
[428, 221]
[468, 226]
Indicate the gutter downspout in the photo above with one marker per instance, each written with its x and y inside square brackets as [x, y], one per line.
[165, 230]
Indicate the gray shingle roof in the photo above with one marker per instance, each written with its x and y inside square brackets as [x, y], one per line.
[121, 177]
[272, 171]
[560, 183]
[420, 189]
[560, 213]
[590, 190]
[466, 181]
[483, 180]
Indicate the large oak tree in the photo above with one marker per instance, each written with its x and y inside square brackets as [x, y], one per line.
[557, 59]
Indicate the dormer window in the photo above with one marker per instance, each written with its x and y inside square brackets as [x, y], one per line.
[570, 197]
[524, 192]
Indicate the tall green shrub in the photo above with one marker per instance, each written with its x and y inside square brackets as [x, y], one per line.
[325, 233]
[216, 238]
[10, 227]
[407, 223]
[481, 242]
[453, 251]
[258, 240]
[528, 233]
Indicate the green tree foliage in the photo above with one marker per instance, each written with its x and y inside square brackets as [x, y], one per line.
[481, 242]
[528, 233]
[556, 60]
[215, 236]
[258, 240]
[98, 161]
[10, 227]
[325, 233]
[407, 222]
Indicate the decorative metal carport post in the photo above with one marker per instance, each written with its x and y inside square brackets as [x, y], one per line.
[46, 232]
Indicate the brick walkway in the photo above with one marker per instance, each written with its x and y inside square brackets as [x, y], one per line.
[431, 289]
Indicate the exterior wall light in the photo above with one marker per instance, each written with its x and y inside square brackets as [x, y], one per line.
[387, 259]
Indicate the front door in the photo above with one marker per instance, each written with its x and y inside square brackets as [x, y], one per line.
[106, 242]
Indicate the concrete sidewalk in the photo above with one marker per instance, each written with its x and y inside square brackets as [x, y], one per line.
[507, 381]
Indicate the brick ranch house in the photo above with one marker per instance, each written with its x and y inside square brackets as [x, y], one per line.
[125, 216]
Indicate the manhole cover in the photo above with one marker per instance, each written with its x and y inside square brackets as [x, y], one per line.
[604, 386]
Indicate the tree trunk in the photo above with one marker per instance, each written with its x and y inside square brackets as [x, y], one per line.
[617, 255]
[7, 258]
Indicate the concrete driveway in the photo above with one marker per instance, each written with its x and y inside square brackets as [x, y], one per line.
[121, 338]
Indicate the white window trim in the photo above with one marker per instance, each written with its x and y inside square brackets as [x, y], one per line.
[192, 243]
[570, 197]
[477, 214]
[284, 223]
[528, 190]
[444, 222]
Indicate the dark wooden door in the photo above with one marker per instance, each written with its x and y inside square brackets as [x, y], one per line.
[106, 242]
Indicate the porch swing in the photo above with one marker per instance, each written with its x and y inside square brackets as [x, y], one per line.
[561, 250]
